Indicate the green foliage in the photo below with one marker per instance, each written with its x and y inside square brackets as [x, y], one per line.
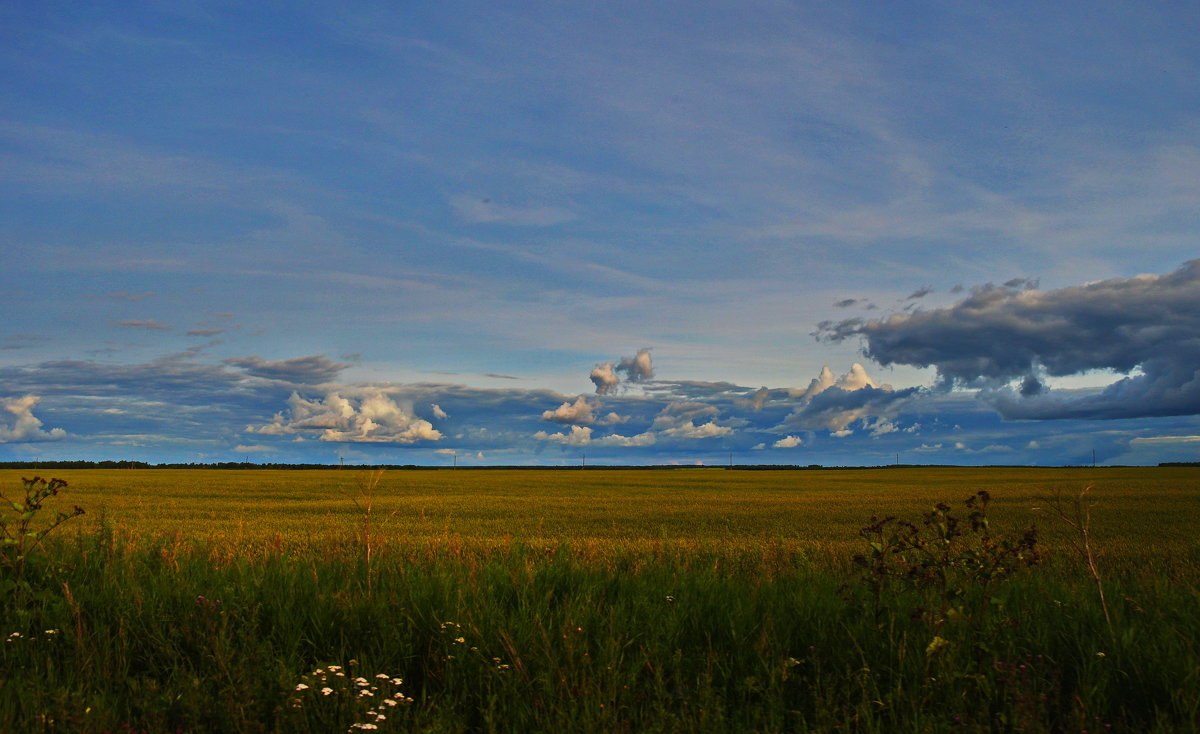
[945, 554]
[588, 626]
[20, 529]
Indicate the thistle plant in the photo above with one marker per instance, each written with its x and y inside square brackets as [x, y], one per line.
[21, 531]
[944, 556]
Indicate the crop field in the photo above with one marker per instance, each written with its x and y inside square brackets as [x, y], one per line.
[605, 600]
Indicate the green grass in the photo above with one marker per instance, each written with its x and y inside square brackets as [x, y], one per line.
[597, 601]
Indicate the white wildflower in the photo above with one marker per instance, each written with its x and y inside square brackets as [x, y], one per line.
[301, 686]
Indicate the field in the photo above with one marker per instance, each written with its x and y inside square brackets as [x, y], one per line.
[605, 600]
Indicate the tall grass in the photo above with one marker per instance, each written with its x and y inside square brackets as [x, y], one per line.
[125, 631]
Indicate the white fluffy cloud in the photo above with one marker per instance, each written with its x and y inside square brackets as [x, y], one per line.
[637, 368]
[832, 404]
[604, 378]
[23, 426]
[370, 416]
[788, 442]
[582, 436]
[687, 429]
[578, 436]
[577, 413]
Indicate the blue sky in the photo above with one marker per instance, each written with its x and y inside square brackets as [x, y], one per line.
[647, 232]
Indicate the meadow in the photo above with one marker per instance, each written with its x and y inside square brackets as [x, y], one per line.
[605, 600]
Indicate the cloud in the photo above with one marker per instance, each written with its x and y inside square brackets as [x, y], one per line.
[204, 332]
[788, 442]
[579, 413]
[370, 416]
[999, 334]
[832, 404]
[637, 368]
[604, 378]
[676, 414]
[1165, 440]
[253, 449]
[147, 324]
[19, 341]
[578, 436]
[919, 293]
[130, 296]
[706, 430]
[24, 426]
[438, 412]
[313, 369]
[616, 439]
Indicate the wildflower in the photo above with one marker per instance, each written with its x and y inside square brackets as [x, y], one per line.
[382, 676]
[318, 671]
[460, 640]
[365, 694]
[301, 686]
[52, 632]
[334, 668]
[361, 682]
[397, 681]
[389, 702]
[326, 691]
[670, 599]
[1100, 655]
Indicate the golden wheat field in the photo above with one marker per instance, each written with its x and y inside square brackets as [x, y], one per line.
[1139, 514]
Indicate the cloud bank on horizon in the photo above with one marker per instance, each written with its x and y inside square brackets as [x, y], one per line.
[515, 235]
[993, 351]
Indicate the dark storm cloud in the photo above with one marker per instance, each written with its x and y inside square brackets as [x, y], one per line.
[1001, 334]
[313, 369]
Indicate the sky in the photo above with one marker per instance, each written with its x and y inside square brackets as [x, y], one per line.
[543, 233]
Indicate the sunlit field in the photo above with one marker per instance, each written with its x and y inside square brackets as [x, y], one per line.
[605, 600]
[1141, 514]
